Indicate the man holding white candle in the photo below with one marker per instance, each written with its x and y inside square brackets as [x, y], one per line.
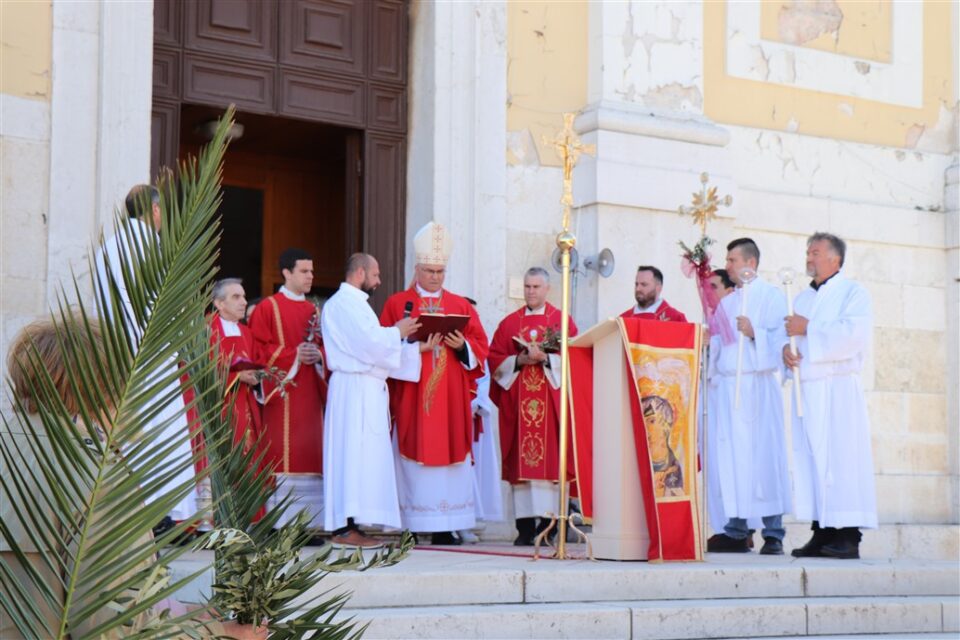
[747, 476]
[833, 463]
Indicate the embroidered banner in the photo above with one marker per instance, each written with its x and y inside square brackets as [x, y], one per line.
[663, 361]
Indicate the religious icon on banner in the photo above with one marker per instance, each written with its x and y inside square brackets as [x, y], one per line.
[664, 378]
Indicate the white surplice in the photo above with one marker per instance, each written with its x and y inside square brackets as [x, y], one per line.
[359, 476]
[747, 474]
[486, 455]
[833, 463]
[172, 426]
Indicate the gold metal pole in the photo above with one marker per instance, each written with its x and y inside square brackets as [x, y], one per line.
[566, 242]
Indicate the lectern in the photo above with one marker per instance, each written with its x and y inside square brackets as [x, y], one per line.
[619, 520]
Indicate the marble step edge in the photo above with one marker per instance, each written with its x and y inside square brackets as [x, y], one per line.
[668, 620]
[674, 582]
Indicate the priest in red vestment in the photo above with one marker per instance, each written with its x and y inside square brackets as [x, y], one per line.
[650, 306]
[432, 417]
[237, 350]
[525, 365]
[286, 327]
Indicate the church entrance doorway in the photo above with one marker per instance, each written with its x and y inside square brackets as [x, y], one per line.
[286, 183]
[321, 89]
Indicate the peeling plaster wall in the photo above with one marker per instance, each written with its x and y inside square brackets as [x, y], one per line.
[868, 166]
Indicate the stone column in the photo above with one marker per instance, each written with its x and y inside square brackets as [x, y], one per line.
[952, 246]
[100, 123]
[456, 172]
[645, 115]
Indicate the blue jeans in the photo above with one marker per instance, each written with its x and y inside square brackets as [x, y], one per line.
[737, 528]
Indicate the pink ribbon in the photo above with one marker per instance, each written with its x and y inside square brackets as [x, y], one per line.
[717, 320]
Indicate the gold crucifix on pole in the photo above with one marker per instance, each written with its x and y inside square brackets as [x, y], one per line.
[705, 204]
[568, 147]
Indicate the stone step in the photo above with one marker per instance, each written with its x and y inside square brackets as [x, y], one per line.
[667, 619]
[429, 578]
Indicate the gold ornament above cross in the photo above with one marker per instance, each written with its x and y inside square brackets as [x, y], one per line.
[569, 147]
[705, 204]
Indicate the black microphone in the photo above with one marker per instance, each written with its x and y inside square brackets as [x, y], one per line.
[407, 310]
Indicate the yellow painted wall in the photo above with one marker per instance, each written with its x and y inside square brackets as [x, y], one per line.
[546, 68]
[732, 100]
[26, 31]
[865, 31]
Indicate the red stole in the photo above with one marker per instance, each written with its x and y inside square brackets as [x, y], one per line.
[293, 420]
[433, 417]
[664, 312]
[530, 409]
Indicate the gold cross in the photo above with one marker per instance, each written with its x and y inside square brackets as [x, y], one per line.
[568, 148]
[705, 204]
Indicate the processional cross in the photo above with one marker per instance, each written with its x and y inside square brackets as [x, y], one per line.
[705, 204]
[569, 148]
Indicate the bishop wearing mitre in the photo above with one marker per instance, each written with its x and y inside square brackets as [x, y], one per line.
[432, 416]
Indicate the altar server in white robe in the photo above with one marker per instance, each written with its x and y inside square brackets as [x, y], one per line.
[833, 463]
[747, 470]
[486, 454]
[143, 201]
[359, 476]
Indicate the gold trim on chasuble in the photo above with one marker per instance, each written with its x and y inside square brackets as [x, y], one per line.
[533, 416]
[276, 317]
[284, 397]
[430, 391]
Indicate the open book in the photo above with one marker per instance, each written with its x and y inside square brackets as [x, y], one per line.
[438, 323]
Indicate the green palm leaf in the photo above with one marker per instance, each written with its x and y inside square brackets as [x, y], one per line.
[87, 485]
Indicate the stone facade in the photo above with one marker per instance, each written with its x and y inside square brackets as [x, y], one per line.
[832, 118]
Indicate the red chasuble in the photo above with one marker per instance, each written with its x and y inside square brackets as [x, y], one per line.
[293, 420]
[530, 409]
[246, 412]
[433, 416]
[665, 312]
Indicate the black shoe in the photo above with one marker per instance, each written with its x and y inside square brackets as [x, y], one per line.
[445, 538]
[771, 547]
[163, 526]
[816, 542]
[841, 549]
[526, 532]
[316, 541]
[722, 543]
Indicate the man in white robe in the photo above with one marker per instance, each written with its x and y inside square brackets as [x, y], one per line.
[359, 477]
[833, 463]
[142, 201]
[747, 477]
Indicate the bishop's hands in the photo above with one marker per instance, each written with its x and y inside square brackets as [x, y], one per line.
[431, 343]
[455, 340]
[533, 355]
[308, 353]
[407, 327]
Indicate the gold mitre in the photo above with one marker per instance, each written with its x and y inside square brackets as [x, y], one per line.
[432, 245]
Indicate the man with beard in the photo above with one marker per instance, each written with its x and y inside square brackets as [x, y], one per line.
[650, 306]
[360, 484]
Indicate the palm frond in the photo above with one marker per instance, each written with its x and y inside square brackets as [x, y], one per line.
[87, 485]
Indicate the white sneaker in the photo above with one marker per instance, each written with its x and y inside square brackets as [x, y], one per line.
[468, 537]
